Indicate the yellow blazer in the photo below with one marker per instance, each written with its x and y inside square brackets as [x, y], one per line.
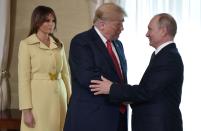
[44, 83]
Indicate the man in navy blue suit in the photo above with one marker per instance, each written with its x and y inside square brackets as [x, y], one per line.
[156, 100]
[89, 59]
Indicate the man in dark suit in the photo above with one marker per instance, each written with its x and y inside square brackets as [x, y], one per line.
[156, 100]
[89, 59]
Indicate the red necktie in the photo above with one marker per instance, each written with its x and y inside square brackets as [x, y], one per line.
[114, 59]
[117, 68]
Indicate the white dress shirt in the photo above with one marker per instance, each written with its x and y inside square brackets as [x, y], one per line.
[104, 41]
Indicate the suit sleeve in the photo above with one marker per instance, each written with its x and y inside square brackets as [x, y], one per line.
[157, 79]
[81, 61]
[24, 69]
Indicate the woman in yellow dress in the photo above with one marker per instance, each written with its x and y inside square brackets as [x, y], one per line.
[43, 73]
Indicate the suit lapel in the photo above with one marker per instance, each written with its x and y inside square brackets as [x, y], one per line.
[119, 49]
[101, 46]
[156, 58]
[162, 52]
[152, 58]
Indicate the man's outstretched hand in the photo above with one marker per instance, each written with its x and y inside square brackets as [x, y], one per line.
[100, 86]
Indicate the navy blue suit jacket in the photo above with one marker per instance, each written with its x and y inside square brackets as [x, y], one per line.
[89, 59]
[156, 100]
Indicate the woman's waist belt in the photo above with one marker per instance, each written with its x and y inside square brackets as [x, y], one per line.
[44, 76]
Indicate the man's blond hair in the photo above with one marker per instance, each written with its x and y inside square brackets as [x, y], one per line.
[107, 11]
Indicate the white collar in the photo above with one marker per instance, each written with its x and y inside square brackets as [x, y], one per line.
[162, 46]
[101, 36]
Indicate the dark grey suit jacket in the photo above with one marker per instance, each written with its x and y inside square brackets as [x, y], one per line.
[156, 100]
